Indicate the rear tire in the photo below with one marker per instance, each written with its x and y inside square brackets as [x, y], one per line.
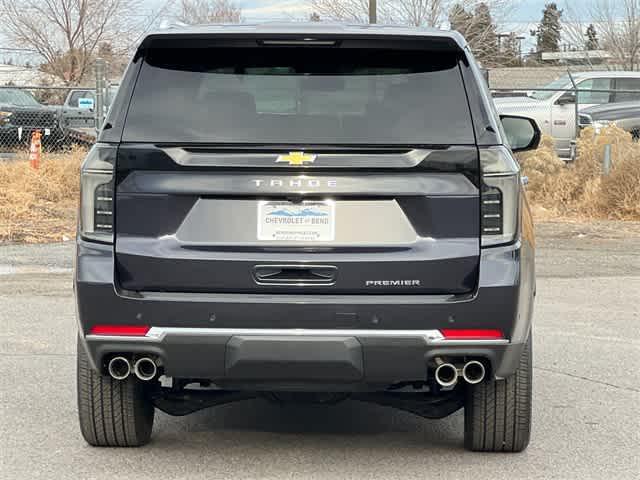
[112, 413]
[497, 413]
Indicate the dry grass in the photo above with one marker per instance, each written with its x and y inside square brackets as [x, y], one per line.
[40, 205]
[580, 190]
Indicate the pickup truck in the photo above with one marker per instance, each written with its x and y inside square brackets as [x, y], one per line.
[78, 113]
[21, 114]
[625, 115]
[553, 107]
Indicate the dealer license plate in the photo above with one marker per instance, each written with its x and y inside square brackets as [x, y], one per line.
[296, 222]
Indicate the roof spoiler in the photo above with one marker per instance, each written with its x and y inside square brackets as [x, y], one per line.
[447, 42]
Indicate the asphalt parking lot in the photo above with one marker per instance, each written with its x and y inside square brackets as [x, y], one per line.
[586, 399]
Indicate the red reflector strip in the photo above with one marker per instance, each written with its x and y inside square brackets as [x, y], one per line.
[472, 334]
[120, 330]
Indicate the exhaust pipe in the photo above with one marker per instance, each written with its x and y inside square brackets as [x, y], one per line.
[119, 368]
[145, 368]
[446, 373]
[473, 372]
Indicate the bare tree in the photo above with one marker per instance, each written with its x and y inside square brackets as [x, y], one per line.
[420, 13]
[429, 13]
[575, 30]
[478, 22]
[618, 24]
[66, 34]
[573, 25]
[195, 12]
[346, 10]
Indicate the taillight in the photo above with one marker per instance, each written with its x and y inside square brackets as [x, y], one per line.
[492, 211]
[120, 330]
[472, 334]
[500, 196]
[103, 208]
[96, 197]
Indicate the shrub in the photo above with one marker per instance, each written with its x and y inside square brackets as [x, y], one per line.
[41, 205]
[580, 189]
[37, 205]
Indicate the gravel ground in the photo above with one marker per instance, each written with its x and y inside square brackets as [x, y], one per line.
[586, 397]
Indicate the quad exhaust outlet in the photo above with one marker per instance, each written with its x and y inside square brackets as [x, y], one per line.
[119, 368]
[473, 372]
[447, 374]
[145, 368]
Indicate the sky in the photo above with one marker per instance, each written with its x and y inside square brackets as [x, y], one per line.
[526, 11]
[523, 17]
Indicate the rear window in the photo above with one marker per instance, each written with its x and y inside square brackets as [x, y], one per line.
[631, 87]
[76, 96]
[285, 95]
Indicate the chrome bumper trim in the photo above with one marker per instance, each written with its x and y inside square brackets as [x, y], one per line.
[432, 337]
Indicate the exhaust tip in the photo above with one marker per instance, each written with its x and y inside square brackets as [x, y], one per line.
[145, 368]
[446, 375]
[119, 368]
[473, 372]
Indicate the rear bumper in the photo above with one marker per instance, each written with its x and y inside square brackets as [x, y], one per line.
[345, 342]
[341, 360]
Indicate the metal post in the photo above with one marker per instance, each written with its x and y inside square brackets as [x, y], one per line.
[373, 11]
[576, 125]
[100, 82]
[606, 159]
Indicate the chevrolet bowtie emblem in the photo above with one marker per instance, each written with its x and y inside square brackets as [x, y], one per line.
[296, 158]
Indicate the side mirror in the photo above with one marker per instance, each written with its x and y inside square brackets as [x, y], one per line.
[567, 98]
[522, 133]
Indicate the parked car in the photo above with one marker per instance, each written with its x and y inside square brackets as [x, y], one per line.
[307, 212]
[21, 114]
[625, 115]
[78, 110]
[554, 109]
[78, 114]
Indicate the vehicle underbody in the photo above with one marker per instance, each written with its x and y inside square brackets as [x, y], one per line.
[183, 400]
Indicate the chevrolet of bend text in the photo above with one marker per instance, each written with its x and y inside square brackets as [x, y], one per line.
[305, 213]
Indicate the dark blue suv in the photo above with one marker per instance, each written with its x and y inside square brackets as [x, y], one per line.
[305, 212]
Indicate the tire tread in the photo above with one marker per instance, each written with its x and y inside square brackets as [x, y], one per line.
[498, 412]
[112, 413]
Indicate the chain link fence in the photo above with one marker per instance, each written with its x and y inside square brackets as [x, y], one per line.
[561, 113]
[61, 116]
[68, 116]
[27, 110]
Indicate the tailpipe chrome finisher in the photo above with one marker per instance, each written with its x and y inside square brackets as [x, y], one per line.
[473, 372]
[446, 373]
[145, 368]
[119, 368]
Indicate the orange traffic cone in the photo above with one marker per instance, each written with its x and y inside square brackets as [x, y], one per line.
[35, 150]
